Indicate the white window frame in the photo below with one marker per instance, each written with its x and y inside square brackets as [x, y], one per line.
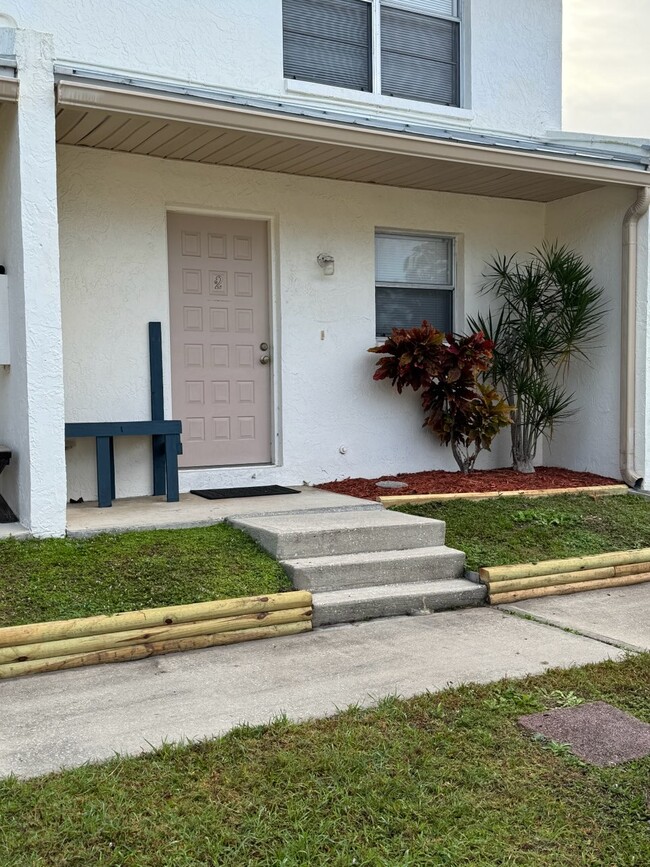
[375, 23]
[374, 94]
[456, 251]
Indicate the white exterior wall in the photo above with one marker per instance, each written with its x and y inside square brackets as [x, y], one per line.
[114, 280]
[513, 68]
[31, 389]
[14, 482]
[591, 224]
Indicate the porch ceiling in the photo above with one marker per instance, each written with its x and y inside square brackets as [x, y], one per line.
[172, 126]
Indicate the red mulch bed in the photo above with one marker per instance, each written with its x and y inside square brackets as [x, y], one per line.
[441, 482]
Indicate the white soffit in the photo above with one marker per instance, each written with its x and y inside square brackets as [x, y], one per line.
[170, 126]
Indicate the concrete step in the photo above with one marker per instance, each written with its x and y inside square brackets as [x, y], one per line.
[423, 597]
[308, 535]
[345, 571]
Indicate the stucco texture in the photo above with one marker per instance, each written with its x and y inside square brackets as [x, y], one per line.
[513, 53]
[31, 388]
[114, 281]
[591, 224]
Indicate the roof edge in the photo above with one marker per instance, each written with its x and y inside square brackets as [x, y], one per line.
[78, 89]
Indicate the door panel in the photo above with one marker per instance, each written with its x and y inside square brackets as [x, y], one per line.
[219, 305]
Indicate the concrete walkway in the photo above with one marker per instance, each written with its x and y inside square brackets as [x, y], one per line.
[620, 616]
[65, 719]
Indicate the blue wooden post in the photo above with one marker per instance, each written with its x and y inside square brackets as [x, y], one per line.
[172, 445]
[158, 455]
[157, 405]
[104, 487]
[112, 454]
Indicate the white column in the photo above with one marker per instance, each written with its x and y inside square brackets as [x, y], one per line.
[31, 388]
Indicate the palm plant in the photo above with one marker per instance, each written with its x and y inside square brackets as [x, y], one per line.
[551, 312]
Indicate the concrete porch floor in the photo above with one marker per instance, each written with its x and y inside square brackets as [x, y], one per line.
[155, 513]
[14, 529]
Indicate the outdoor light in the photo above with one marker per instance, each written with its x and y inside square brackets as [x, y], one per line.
[326, 262]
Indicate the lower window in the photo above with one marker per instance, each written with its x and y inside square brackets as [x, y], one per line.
[414, 280]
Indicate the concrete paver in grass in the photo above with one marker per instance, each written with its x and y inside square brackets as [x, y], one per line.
[68, 718]
[596, 732]
[619, 615]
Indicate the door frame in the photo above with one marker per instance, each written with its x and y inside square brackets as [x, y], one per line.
[273, 242]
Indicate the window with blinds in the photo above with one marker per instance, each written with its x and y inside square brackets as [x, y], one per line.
[414, 281]
[330, 42]
[420, 56]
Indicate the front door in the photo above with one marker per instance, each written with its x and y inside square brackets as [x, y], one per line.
[220, 339]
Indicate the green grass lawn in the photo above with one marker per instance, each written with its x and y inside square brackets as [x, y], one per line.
[444, 779]
[56, 579]
[515, 530]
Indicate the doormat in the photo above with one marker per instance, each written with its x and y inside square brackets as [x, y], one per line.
[233, 493]
[6, 515]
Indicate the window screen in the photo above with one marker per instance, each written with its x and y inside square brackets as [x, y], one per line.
[414, 281]
[328, 42]
[420, 56]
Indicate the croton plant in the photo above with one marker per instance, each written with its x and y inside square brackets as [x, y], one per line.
[445, 369]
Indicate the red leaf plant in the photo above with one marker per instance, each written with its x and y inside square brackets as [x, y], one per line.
[464, 413]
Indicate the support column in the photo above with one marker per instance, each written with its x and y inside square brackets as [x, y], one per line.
[31, 387]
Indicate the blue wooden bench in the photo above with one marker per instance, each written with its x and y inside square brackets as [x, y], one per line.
[165, 435]
[166, 445]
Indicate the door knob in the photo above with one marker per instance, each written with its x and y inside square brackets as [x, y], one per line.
[265, 359]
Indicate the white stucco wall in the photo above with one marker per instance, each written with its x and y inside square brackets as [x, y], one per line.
[31, 389]
[114, 280]
[591, 224]
[14, 482]
[513, 69]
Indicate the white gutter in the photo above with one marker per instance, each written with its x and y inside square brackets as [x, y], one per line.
[629, 472]
[8, 89]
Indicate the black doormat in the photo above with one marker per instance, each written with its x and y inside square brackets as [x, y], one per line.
[6, 515]
[233, 493]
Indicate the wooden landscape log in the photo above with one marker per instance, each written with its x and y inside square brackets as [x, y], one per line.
[632, 569]
[564, 589]
[553, 580]
[492, 574]
[150, 617]
[140, 651]
[569, 577]
[132, 637]
[595, 490]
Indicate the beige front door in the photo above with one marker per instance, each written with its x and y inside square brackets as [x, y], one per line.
[220, 339]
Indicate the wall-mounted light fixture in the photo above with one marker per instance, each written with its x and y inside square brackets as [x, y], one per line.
[326, 262]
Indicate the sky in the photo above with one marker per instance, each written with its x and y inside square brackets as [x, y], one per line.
[607, 67]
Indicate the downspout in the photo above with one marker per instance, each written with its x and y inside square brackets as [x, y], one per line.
[629, 471]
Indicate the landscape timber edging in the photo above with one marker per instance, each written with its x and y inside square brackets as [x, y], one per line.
[415, 499]
[57, 645]
[515, 583]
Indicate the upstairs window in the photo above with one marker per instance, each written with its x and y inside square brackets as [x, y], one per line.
[328, 42]
[417, 46]
[414, 280]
